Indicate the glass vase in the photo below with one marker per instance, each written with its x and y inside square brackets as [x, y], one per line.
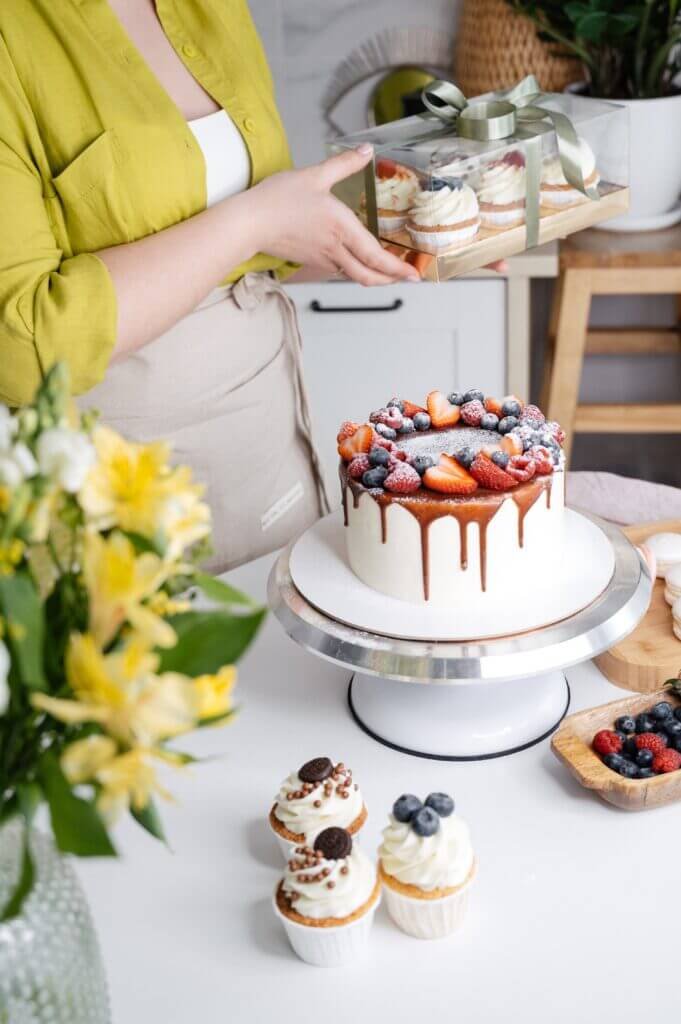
[50, 965]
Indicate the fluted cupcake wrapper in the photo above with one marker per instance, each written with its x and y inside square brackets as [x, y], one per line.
[428, 919]
[335, 946]
[436, 241]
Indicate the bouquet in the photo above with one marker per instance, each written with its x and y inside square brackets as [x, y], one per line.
[103, 660]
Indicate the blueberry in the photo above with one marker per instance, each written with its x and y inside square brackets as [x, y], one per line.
[510, 407]
[490, 421]
[406, 806]
[626, 723]
[407, 426]
[436, 184]
[379, 457]
[675, 743]
[474, 395]
[646, 773]
[441, 803]
[628, 769]
[644, 723]
[384, 431]
[501, 459]
[677, 713]
[396, 402]
[422, 421]
[620, 736]
[630, 747]
[421, 463]
[644, 758]
[672, 728]
[375, 477]
[661, 711]
[425, 822]
[614, 761]
[663, 737]
[507, 424]
[456, 398]
[465, 457]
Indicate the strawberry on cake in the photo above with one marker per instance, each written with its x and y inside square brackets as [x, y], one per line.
[451, 497]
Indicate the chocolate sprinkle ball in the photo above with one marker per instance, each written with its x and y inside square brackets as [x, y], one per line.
[316, 770]
[334, 843]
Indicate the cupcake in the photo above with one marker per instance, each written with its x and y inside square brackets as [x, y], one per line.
[396, 186]
[318, 795]
[427, 866]
[501, 192]
[443, 215]
[327, 899]
[556, 191]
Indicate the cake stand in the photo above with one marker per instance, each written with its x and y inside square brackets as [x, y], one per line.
[467, 700]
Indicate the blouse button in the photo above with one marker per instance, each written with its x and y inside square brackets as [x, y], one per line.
[249, 124]
[188, 50]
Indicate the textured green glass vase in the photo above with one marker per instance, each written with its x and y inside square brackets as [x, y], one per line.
[50, 965]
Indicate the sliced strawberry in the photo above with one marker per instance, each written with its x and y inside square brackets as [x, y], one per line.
[442, 412]
[522, 468]
[489, 475]
[361, 441]
[512, 444]
[347, 430]
[410, 409]
[385, 169]
[493, 405]
[449, 477]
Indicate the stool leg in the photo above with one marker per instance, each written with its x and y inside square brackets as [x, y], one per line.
[566, 372]
[550, 346]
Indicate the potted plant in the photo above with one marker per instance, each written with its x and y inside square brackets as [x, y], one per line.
[104, 663]
[631, 54]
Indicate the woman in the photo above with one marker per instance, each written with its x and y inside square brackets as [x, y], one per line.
[147, 215]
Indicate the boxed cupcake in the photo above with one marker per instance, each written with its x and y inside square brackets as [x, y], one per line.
[470, 182]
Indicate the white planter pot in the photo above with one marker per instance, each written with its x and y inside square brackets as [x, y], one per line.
[654, 165]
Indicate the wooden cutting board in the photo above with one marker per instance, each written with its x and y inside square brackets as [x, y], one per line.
[651, 654]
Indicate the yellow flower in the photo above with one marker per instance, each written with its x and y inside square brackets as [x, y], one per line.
[122, 693]
[5, 497]
[118, 580]
[81, 760]
[126, 780]
[161, 604]
[11, 553]
[214, 692]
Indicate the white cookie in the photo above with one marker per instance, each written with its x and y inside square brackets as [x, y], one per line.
[667, 550]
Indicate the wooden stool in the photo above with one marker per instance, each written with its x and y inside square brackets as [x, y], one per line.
[609, 263]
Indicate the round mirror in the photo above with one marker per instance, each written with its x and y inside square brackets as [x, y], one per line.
[397, 94]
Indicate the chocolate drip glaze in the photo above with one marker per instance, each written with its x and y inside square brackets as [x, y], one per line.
[426, 508]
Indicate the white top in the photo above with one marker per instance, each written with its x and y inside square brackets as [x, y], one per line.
[228, 165]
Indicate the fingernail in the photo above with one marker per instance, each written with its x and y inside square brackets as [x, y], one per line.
[365, 149]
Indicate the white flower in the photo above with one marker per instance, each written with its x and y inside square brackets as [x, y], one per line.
[16, 465]
[23, 457]
[4, 672]
[66, 456]
[8, 427]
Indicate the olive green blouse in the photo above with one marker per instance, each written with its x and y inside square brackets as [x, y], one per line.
[93, 153]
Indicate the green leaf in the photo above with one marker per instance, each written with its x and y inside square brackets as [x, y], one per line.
[76, 823]
[21, 606]
[14, 905]
[29, 798]
[217, 719]
[66, 610]
[149, 818]
[141, 544]
[208, 640]
[221, 592]
[592, 26]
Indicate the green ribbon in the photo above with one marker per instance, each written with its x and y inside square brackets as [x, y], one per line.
[515, 112]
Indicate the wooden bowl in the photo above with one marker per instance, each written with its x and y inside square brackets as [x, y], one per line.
[572, 745]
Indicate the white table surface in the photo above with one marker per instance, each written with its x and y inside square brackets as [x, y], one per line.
[575, 914]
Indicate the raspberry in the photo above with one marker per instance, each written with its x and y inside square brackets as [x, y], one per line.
[542, 459]
[382, 442]
[399, 453]
[358, 466]
[522, 468]
[556, 431]
[391, 417]
[347, 430]
[472, 413]
[532, 415]
[375, 416]
[607, 742]
[651, 741]
[667, 761]
[488, 474]
[403, 479]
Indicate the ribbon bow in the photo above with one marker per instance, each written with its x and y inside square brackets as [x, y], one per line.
[513, 113]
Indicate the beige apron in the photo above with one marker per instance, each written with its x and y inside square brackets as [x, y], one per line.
[225, 387]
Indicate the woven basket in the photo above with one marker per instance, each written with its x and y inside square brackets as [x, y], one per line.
[496, 47]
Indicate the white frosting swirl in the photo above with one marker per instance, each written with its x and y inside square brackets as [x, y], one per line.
[396, 193]
[299, 814]
[444, 207]
[552, 170]
[329, 888]
[502, 183]
[440, 861]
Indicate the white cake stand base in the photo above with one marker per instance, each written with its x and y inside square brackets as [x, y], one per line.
[459, 723]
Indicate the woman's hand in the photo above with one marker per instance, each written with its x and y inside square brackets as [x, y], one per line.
[298, 219]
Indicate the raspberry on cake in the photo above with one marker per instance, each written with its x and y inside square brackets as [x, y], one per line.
[461, 512]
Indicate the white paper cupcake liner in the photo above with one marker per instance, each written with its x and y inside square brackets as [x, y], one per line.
[338, 946]
[389, 225]
[502, 218]
[436, 241]
[558, 199]
[428, 919]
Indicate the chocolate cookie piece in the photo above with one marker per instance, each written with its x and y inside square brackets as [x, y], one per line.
[334, 843]
[316, 770]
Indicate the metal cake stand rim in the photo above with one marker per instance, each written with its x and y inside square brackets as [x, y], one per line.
[582, 636]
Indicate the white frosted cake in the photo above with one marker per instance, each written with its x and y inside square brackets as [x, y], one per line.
[452, 500]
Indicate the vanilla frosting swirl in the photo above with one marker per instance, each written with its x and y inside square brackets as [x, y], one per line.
[444, 207]
[298, 812]
[501, 183]
[396, 193]
[552, 170]
[440, 861]
[329, 888]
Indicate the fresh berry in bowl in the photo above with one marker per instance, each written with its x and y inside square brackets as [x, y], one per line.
[642, 746]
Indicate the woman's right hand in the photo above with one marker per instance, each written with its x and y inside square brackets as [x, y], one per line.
[298, 219]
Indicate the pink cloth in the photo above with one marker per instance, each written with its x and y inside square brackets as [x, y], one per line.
[621, 499]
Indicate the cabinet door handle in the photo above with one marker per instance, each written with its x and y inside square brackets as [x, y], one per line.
[317, 307]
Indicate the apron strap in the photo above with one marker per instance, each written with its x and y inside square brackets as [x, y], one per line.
[248, 291]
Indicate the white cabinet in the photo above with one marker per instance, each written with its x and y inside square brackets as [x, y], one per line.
[362, 346]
